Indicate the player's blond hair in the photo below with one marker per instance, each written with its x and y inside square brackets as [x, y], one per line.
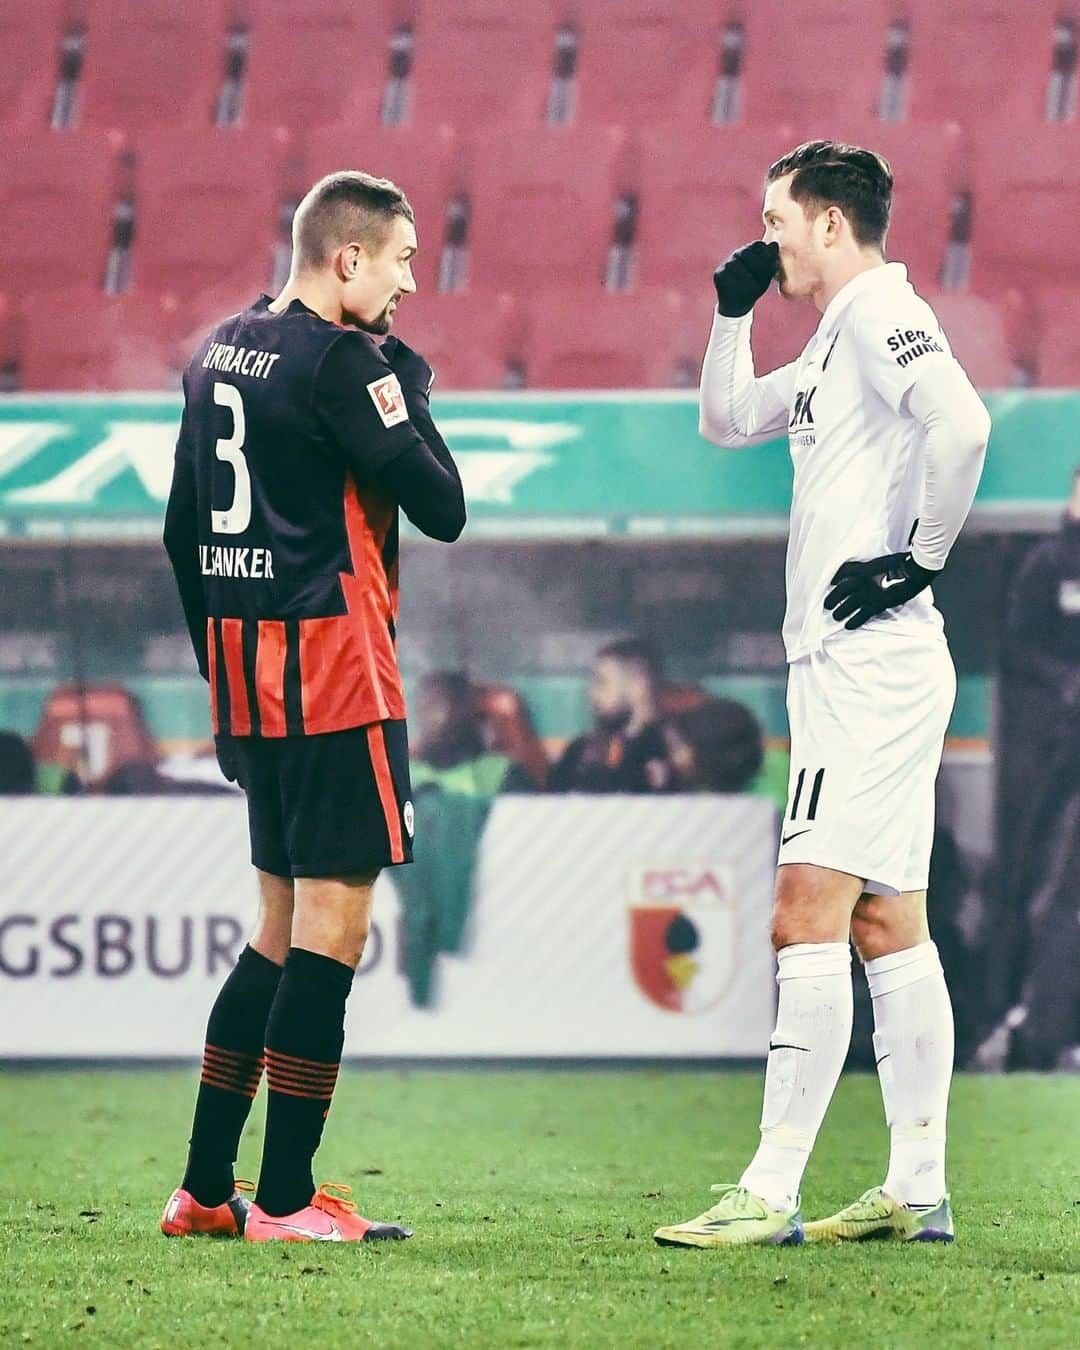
[349, 206]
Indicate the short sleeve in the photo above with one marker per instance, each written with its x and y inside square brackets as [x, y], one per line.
[359, 402]
[896, 347]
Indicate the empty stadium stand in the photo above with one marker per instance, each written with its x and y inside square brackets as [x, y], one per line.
[644, 63]
[603, 340]
[57, 192]
[543, 206]
[566, 147]
[986, 62]
[206, 212]
[30, 37]
[156, 63]
[314, 64]
[479, 65]
[82, 339]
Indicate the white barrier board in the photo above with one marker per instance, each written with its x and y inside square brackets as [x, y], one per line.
[599, 926]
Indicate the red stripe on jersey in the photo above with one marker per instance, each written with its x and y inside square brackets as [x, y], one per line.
[211, 657]
[385, 783]
[270, 677]
[370, 601]
[232, 642]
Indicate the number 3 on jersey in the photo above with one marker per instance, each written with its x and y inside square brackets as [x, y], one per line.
[230, 450]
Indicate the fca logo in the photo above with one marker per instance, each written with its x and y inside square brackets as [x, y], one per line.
[802, 414]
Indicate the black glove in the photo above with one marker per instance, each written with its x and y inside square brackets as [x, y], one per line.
[744, 277]
[413, 372]
[862, 590]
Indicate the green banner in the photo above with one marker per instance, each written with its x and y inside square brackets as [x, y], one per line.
[534, 465]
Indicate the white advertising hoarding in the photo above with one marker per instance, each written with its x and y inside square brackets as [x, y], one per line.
[599, 927]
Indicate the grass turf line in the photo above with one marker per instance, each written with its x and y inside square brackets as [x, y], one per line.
[534, 1197]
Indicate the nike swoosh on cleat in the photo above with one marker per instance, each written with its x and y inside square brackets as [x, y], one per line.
[789, 837]
[334, 1234]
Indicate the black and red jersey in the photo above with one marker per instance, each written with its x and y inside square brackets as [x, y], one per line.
[297, 445]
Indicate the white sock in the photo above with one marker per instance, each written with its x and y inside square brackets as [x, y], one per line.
[806, 1054]
[913, 1045]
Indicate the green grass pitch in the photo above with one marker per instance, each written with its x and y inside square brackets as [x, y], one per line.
[534, 1197]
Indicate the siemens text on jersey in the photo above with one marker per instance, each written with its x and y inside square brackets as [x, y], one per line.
[232, 360]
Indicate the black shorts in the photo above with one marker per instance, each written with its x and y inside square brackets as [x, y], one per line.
[325, 806]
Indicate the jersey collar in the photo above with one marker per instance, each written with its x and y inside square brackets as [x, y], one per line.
[876, 278]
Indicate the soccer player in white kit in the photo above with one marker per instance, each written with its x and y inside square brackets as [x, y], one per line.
[887, 438]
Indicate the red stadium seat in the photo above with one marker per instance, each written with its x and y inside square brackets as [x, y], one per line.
[1058, 358]
[646, 63]
[814, 61]
[985, 63]
[542, 207]
[30, 37]
[57, 191]
[1025, 187]
[480, 63]
[206, 213]
[603, 340]
[316, 63]
[468, 338]
[86, 340]
[978, 334]
[154, 63]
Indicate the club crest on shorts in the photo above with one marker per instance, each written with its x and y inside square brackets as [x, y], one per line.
[682, 933]
[389, 400]
[409, 816]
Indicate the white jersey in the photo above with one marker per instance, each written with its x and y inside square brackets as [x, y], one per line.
[859, 456]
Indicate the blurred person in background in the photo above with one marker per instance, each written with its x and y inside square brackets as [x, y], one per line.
[301, 438]
[626, 750]
[714, 747]
[1042, 659]
[1041, 931]
[452, 748]
[18, 775]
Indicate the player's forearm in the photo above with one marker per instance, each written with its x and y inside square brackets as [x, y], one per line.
[957, 428]
[734, 409]
[428, 490]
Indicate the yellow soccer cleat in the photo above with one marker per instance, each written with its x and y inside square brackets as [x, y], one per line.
[877, 1215]
[738, 1219]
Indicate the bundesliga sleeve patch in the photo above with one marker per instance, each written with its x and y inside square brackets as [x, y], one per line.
[389, 400]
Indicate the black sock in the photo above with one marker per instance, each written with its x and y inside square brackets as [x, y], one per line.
[232, 1067]
[304, 1036]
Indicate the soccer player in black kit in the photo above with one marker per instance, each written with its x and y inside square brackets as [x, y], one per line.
[301, 437]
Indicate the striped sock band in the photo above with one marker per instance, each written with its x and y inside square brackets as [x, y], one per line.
[231, 1070]
[296, 1077]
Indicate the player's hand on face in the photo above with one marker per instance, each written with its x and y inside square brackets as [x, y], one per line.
[414, 373]
[744, 277]
[862, 590]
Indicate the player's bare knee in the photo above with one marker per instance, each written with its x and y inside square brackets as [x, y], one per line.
[882, 925]
[811, 904]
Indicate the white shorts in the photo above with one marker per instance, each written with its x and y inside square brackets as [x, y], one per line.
[868, 716]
